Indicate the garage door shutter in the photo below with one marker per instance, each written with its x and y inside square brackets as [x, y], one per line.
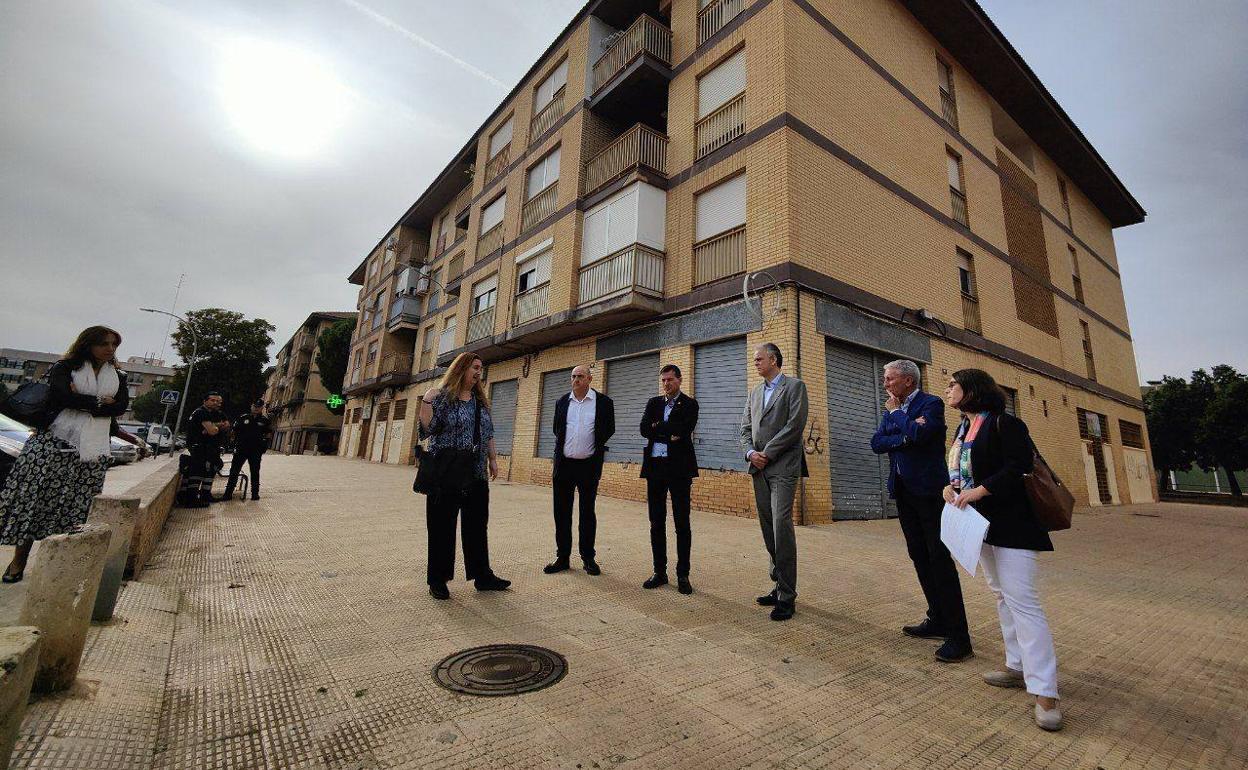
[630, 384]
[503, 412]
[855, 400]
[719, 380]
[554, 385]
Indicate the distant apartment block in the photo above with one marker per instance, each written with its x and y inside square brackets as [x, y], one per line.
[296, 399]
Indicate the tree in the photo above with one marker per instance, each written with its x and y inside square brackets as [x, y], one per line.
[332, 354]
[1222, 429]
[1172, 418]
[231, 357]
[147, 407]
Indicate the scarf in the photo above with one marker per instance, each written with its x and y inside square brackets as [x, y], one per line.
[81, 429]
[960, 474]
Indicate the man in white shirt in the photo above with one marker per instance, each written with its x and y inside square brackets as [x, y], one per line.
[584, 422]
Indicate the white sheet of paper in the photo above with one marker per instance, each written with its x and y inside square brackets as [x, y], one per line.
[963, 530]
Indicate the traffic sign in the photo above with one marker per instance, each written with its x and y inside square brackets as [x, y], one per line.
[169, 396]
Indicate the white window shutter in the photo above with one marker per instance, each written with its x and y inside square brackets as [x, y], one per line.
[489, 284]
[546, 91]
[594, 240]
[721, 84]
[544, 173]
[500, 138]
[622, 225]
[720, 208]
[493, 213]
[955, 178]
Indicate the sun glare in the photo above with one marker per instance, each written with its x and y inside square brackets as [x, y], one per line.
[283, 100]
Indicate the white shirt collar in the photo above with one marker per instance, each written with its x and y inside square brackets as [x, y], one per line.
[774, 381]
[589, 396]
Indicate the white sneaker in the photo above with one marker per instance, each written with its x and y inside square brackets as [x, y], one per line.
[1048, 719]
[1007, 678]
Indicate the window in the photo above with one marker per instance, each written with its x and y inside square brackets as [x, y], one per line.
[1132, 434]
[1087, 350]
[492, 215]
[1075, 278]
[966, 274]
[1092, 425]
[721, 105]
[970, 297]
[485, 294]
[1061, 189]
[400, 410]
[447, 341]
[372, 271]
[446, 232]
[533, 272]
[500, 139]
[720, 209]
[546, 91]
[435, 283]
[956, 192]
[378, 302]
[1011, 400]
[543, 174]
[355, 368]
[948, 103]
[372, 354]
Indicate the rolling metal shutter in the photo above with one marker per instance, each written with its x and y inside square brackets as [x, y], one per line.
[554, 385]
[631, 382]
[503, 412]
[855, 402]
[721, 390]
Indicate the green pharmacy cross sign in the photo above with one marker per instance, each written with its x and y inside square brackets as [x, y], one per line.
[334, 401]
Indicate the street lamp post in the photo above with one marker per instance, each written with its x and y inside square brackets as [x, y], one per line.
[190, 369]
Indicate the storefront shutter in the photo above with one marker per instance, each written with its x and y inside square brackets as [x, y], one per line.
[631, 382]
[721, 389]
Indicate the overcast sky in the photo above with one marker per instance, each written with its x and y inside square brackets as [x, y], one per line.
[141, 140]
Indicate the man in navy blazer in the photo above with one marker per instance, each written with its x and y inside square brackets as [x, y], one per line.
[912, 432]
[669, 467]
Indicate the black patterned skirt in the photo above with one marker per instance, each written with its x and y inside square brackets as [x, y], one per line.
[49, 490]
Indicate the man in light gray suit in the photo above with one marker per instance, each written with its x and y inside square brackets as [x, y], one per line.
[771, 436]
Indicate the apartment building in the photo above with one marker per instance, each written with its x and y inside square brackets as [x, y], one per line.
[296, 399]
[888, 177]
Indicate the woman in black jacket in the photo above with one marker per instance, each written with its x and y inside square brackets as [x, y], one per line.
[991, 453]
[61, 468]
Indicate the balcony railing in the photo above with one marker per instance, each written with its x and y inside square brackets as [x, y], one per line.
[958, 200]
[949, 108]
[539, 206]
[533, 303]
[490, 241]
[394, 364]
[635, 268]
[546, 118]
[461, 202]
[640, 146]
[456, 268]
[481, 325]
[719, 256]
[645, 36]
[970, 314]
[721, 126]
[495, 165]
[715, 15]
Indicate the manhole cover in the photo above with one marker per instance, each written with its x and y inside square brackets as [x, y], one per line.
[500, 669]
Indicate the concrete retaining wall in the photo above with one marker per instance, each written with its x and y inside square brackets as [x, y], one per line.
[155, 494]
[19, 657]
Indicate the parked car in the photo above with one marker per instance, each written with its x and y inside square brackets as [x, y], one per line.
[123, 452]
[158, 437]
[13, 436]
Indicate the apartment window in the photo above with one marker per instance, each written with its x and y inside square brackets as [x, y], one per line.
[447, 341]
[491, 236]
[378, 303]
[485, 294]
[372, 354]
[1087, 350]
[532, 287]
[541, 191]
[957, 191]
[948, 102]
[1011, 400]
[713, 15]
[500, 139]
[970, 296]
[372, 271]
[721, 105]
[543, 174]
[435, 283]
[548, 101]
[426, 349]
[446, 232]
[1075, 277]
[533, 272]
[1061, 189]
[719, 231]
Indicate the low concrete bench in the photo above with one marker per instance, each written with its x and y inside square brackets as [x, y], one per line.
[19, 657]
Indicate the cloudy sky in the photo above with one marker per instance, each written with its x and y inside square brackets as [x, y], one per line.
[142, 140]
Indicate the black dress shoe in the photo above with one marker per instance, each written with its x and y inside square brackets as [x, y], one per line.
[492, 583]
[255, 497]
[13, 577]
[193, 504]
[925, 630]
[226, 497]
[656, 580]
[683, 585]
[782, 610]
[438, 591]
[558, 565]
[954, 652]
[767, 600]
[592, 568]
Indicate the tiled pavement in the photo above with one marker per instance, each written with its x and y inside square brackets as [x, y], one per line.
[304, 638]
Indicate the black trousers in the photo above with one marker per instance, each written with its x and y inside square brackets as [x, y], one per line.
[659, 485]
[579, 478]
[441, 511]
[252, 457]
[202, 463]
[938, 575]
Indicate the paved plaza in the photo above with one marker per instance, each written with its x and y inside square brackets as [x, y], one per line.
[296, 632]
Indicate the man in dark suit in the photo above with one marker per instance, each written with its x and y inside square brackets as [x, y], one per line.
[584, 423]
[912, 432]
[668, 468]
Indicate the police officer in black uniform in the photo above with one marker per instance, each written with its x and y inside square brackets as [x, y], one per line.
[251, 438]
[205, 431]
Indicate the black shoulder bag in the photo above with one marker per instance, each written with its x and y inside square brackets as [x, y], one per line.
[31, 403]
[449, 471]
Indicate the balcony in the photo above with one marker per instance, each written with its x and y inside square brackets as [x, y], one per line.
[630, 79]
[405, 313]
[949, 108]
[480, 325]
[958, 201]
[489, 242]
[719, 256]
[539, 207]
[715, 16]
[970, 314]
[641, 147]
[545, 119]
[646, 37]
[394, 369]
[635, 268]
[721, 126]
[495, 165]
[532, 304]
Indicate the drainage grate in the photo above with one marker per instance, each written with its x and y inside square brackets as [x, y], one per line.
[500, 669]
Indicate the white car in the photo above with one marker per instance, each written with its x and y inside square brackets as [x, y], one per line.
[123, 452]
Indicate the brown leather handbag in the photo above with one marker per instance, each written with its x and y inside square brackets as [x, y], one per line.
[1051, 501]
